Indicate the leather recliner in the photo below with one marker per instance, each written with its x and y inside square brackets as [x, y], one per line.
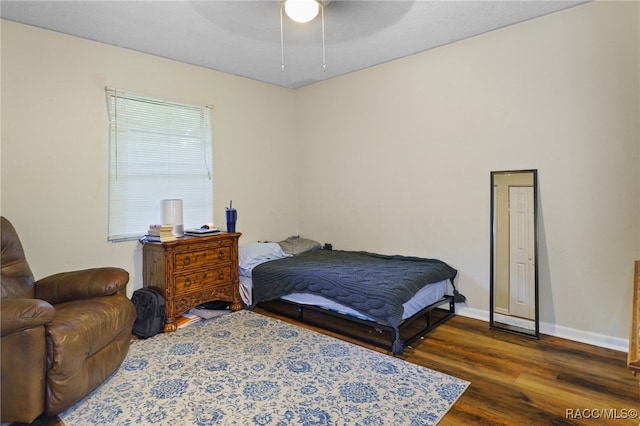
[62, 335]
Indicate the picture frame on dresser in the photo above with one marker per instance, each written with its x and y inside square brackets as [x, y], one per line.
[192, 270]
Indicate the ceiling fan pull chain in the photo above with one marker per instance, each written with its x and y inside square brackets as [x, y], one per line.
[324, 61]
[281, 38]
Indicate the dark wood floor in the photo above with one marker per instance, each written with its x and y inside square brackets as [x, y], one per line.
[520, 381]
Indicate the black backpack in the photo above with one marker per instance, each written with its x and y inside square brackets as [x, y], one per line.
[151, 314]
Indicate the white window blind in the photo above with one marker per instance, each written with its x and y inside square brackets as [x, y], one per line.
[158, 150]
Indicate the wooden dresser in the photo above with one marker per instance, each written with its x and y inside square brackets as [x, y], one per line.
[633, 356]
[191, 271]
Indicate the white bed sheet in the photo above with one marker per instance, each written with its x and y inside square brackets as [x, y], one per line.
[426, 296]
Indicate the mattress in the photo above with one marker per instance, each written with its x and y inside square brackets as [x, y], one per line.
[428, 295]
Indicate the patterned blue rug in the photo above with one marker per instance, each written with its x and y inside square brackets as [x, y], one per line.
[244, 368]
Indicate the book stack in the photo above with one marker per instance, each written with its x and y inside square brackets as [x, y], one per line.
[186, 319]
[160, 233]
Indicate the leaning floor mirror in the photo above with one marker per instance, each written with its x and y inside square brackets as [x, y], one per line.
[514, 249]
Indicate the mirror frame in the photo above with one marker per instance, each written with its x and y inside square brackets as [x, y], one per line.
[533, 332]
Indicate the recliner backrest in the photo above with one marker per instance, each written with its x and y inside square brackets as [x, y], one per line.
[16, 278]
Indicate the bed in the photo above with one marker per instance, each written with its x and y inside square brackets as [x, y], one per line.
[388, 301]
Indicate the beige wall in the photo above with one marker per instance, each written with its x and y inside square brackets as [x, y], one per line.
[397, 158]
[55, 145]
[394, 159]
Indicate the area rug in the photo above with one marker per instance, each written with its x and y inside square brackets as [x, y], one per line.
[245, 368]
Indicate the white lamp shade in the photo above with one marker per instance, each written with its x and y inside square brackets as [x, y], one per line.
[301, 10]
[172, 215]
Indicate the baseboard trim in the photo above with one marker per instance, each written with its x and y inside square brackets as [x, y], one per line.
[595, 339]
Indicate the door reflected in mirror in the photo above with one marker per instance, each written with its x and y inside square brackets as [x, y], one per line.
[514, 263]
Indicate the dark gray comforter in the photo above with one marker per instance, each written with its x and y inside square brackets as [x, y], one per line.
[373, 284]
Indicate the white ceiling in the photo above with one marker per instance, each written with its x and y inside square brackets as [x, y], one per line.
[243, 37]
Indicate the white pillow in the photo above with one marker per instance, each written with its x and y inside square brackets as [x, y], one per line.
[253, 254]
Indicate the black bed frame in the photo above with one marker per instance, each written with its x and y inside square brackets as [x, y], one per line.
[371, 332]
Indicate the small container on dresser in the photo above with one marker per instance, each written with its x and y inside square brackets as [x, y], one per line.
[192, 270]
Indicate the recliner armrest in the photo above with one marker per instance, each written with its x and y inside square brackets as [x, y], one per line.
[21, 314]
[85, 284]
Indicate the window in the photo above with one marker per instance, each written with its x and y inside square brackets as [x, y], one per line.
[157, 150]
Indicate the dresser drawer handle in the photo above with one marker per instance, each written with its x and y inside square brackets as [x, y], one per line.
[221, 254]
[221, 275]
[187, 260]
[187, 282]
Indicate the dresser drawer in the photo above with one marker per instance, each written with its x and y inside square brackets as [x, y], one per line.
[203, 279]
[202, 256]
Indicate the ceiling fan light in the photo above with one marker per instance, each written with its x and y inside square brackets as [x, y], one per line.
[301, 11]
